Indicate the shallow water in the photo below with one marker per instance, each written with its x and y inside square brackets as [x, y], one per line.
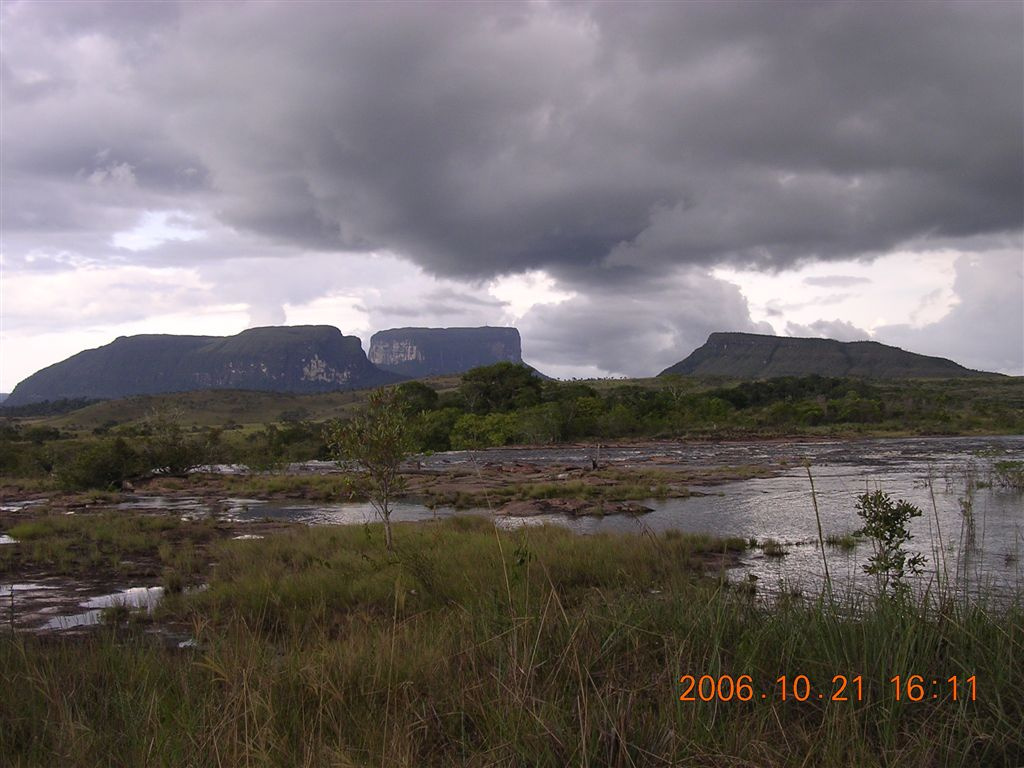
[781, 508]
[134, 598]
[985, 547]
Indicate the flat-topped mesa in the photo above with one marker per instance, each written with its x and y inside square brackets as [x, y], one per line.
[755, 356]
[420, 352]
[301, 359]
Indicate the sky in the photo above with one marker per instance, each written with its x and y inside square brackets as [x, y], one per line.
[617, 180]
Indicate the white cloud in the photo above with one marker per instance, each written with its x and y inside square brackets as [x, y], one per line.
[915, 288]
[522, 292]
[985, 330]
[156, 228]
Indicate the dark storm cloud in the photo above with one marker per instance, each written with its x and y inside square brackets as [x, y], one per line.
[493, 138]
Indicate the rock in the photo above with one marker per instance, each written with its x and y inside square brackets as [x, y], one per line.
[305, 359]
[571, 507]
[420, 352]
[756, 356]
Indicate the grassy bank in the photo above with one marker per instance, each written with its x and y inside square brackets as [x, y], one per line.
[534, 648]
[107, 544]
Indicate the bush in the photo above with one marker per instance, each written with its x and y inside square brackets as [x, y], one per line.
[885, 523]
[473, 431]
[104, 464]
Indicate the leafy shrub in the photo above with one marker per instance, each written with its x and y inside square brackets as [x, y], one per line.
[885, 523]
[103, 464]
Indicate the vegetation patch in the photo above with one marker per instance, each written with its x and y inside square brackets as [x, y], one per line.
[469, 646]
[116, 544]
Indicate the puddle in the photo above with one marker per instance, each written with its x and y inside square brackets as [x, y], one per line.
[134, 598]
[17, 506]
[21, 589]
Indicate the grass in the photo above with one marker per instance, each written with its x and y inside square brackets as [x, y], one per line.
[1009, 474]
[568, 489]
[844, 541]
[612, 485]
[110, 542]
[328, 487]
[471, 647]
[773, 548]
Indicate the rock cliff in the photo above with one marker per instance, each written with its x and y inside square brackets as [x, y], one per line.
[419, 352]
[307, 358]
[753, 356]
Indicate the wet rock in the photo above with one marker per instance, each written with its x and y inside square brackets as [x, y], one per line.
[571, 507]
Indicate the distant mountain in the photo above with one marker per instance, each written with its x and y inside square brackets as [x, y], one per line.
[3, 396]
[753, 356]
[304, 358]
[420, 352]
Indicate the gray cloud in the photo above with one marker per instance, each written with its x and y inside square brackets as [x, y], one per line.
[623, 148]
[492, 138]
[637, 333]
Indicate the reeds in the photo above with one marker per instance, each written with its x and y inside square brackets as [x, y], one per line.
[470, 647]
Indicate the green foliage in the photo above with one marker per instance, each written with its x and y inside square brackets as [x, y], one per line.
[85, 543]
[49, 407]
[885, 524]
[542, 424]
[500, 387]
[431, 430]
[472, 647]
[105, 463]
[474, 431]
[416, 397]
[22, 456]
[281, 428]
[750, 394]
[167, 448]
[274, 445]
[378, 441]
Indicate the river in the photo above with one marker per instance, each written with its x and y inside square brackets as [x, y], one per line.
[971, 530]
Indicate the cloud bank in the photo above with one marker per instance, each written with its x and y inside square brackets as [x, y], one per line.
[621, 149]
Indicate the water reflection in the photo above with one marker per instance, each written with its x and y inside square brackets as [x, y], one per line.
[133, 598]
[972, 532]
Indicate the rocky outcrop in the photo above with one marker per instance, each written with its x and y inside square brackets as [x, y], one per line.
[420, 352]
[571, 507]
[753, 356]
[305, 358]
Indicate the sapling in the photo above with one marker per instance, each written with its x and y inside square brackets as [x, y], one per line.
[885, 523]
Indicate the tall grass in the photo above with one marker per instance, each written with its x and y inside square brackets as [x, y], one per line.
[538, 648]
[107, 541]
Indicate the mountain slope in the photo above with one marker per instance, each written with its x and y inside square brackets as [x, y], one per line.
[309, 358]
[420, 352]
[753, 356]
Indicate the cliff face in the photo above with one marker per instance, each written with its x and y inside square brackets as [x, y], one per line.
[753, 356]
[419, 352]
[311, 358]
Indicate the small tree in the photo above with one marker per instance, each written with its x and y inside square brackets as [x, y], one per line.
[167, 447]
[885, 523]
[377, 440]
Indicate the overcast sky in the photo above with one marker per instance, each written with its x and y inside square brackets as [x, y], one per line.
[617, 180]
